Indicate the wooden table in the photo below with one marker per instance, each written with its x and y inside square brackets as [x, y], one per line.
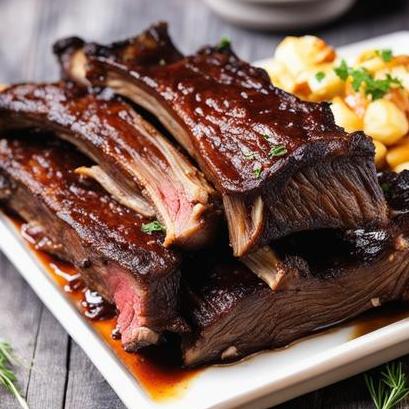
[55, 372]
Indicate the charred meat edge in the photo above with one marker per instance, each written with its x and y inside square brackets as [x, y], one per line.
[134, 160]
[78, 222]
[130, 68]
[234, 314]
[311, 281]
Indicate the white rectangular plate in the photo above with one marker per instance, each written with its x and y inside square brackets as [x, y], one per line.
[261, 381]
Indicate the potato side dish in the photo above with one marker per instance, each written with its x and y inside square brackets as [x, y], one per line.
[369, 94]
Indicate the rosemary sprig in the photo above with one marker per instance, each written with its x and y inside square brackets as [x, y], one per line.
[8, 378]
[390, 389]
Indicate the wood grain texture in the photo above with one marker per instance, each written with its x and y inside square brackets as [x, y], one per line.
[86, 388]
[55, 373]
[49, 370]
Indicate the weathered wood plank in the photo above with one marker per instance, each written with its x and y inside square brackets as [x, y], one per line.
[18, 31]
[86, 387]
[38, 339]
[48, 377]
[20, 315]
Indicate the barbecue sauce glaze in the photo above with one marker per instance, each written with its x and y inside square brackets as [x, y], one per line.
[157, 369]
[378, 318]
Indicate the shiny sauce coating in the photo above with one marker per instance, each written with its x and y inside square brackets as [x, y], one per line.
[157, 369]
[232, 115]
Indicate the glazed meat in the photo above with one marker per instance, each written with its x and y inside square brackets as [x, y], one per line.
[318, 240]
[280, 164]
[317, 279]
[75, 219]
[135, 163]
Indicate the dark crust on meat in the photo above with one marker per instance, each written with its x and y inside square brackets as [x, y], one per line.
[225, 109]
[343, 189]
[64, 49]
[66, 45]
[333, 276]
[213, 93]
[232, 313]
[101, 223]
[396, 189]
[79, 222]
[111, 133]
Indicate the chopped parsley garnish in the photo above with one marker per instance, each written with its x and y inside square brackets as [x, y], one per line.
[151, 227]
[376, 88]
[257, 172]
[277, 150]
[224, 43]
[342, 70]
[358, 78]
[319, 76]
[386, 54]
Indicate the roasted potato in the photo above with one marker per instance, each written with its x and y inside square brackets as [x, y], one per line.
[344, 116]
[371, 94]
[301, 53]
[385, 122]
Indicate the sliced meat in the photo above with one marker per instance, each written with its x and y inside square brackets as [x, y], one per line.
[311, 280]
[137, 164]
[281, 164]
[233, 313]
[78, 221]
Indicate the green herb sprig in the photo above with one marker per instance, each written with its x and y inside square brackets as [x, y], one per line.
[386, 187]
[376, 88]
[277, 150]
[152, 227]
[8, 378]
[343, 70]
[386, 54]
[224, 43]
[320, 75]
[257, 172]
[390, 389]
